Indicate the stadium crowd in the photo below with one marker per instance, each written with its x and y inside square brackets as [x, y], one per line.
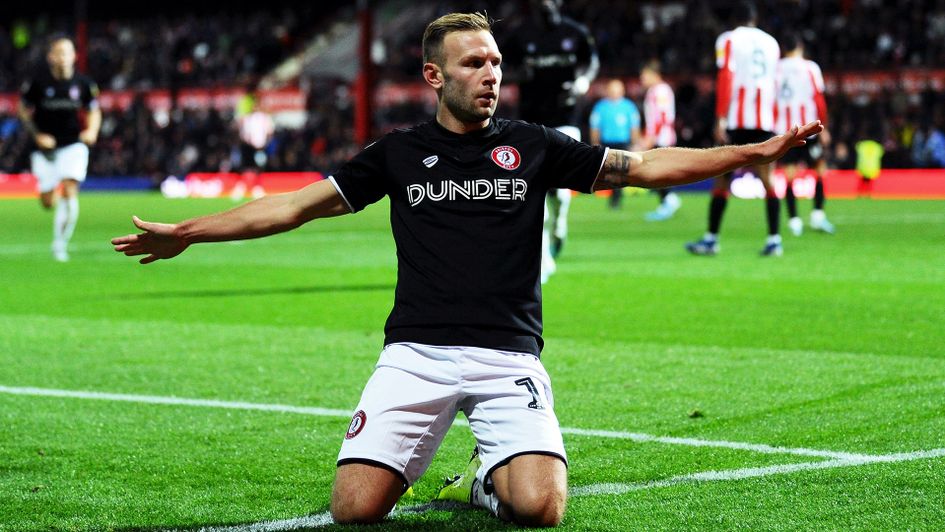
[235, 48]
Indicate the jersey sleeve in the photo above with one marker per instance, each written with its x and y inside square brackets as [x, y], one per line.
[29, 93]
[587, 47]
[90, 96]
[362, 180]
[723, 82]
[569, 163]
[817, 79]
[817, 76]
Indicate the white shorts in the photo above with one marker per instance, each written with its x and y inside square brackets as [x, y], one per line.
[68, 162]
[416, 391]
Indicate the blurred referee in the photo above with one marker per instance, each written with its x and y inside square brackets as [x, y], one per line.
[51, 109]
[615, 123]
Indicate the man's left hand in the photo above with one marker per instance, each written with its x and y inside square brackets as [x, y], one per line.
[775, 148]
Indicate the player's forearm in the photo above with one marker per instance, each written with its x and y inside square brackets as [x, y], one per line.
[265, 216]
[666, 167]
[672, 166]
[26, 120]
[262, 217]
[94, 122]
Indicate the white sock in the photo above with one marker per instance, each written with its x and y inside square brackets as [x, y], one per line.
[72, 216]
[480, 498]
[548, 266]
[774, 239]
[561, 221]
[817, 216]
[713, 237]
[672, 202]
[60, 220]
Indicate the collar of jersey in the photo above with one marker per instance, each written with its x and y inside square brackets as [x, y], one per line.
[487, 131]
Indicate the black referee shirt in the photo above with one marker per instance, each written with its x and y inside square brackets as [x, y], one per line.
[57, 104]
[466, 212]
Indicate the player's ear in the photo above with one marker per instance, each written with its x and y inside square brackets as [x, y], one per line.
[433, 75]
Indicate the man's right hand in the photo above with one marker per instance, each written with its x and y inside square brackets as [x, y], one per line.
[159, 241]
[45, 141]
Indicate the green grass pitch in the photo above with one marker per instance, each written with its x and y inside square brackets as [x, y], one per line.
[734, 392]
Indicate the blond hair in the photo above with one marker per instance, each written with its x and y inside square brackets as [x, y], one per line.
[438, 30]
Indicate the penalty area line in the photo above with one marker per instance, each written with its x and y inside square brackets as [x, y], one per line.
[332, 412]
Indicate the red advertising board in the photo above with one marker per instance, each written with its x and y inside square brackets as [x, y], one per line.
[891, 184]
[221, 184]
[17, 186]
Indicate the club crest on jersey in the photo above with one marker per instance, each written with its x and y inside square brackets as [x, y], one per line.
[507, 157]
[430, 161]
[357, 424]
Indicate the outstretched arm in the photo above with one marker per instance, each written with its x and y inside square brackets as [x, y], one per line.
[262, 217]
[44, 141]
[666, 167]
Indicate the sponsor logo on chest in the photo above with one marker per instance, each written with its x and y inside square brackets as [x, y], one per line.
[508, 189]
[467, 189]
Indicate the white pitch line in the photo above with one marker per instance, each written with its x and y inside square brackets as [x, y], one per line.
[296, 523]
[322, 519]
[695, 442]
[159, 400]
[329, 412]
[615, 488]
[618, 488]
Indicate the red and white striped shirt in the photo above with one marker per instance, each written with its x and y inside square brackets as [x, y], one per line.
[747, 59]
[659, 111]
[800, 93]
[256, 128]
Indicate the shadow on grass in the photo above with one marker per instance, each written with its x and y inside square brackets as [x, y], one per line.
[434, 516]
[244, 292]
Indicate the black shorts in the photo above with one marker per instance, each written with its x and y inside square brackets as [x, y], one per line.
[748, 136]
[809, 154]
[251, 158]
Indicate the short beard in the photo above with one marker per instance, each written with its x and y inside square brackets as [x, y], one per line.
[463, 110]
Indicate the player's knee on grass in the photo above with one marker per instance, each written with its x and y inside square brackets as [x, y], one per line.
[538, 508]
[364, 494]
[533, 490]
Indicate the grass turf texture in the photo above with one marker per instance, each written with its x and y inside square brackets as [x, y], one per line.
[836, 346]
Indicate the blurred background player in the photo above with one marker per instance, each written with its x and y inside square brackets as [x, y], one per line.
[747, 59]
[615, 123]
[256, 128]
[801, 99]
[869, 161]
[659, 114]
[556, 60]
[51, 108]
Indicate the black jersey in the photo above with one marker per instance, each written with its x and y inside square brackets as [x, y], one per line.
[547, 58]
[466, 212]
[57, 104]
